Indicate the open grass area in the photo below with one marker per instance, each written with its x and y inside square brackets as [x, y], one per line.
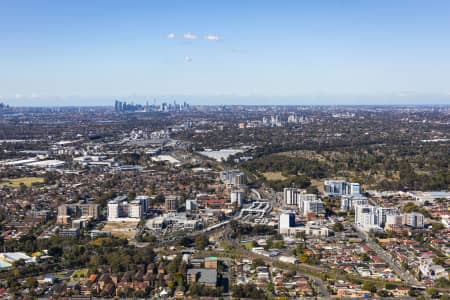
[82, 273]
[15, 182]
[274, 176]
[248, 245]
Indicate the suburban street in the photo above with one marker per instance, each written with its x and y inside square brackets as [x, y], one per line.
[384, 255]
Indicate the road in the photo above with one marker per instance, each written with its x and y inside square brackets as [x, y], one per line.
[405, 276]
[319, 285]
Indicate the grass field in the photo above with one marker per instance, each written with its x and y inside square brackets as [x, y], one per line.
[248, 245]
[15, 182]
[274, 176]
[82, 273]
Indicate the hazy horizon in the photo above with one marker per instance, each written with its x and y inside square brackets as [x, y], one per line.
[397, 99]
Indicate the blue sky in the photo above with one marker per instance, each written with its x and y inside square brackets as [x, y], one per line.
[86, 52]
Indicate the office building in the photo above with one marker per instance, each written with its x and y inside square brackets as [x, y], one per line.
[311, 206]
[233, 177]
[335, 187]
[237, 196]
[78, 210]
[415, 220]
[286, 221]
[171, 203]
[366, 217]
[120, 208]
[383, 212]
[341, 187]
[191, 205]
[145, 202]
[348, 202]
[135, 209]
[355, 188]
[291, 196]
[393, 221]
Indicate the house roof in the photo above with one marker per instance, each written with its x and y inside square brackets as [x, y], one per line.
[206, 275]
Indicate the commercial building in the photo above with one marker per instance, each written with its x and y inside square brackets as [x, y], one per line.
[291, 196]
[341, 187]
[415, 220]
[174, 220]
[393, 221]
[366, 217]
[135, 209]
[348, 202]
[286, 221]
[171, 203]
[233, 177]
[145, 202]
[237, 196]
[79, 210]
[7, 259]
[191, 205]
[120, 208]
[383, 212]
[310, 204]
[288, 226]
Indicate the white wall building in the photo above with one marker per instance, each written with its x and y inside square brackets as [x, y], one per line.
[341, 187]
[348, 202]
[415, 220]
[366, 217]
[237, 196]
[119, 208]
[135, 209]
[311, 206]
[383, 212]
[191, 205]
[291, 196]
[286, 221]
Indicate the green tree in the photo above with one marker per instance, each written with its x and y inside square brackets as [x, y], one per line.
[201, 242]
[433, 292]
[338, 227]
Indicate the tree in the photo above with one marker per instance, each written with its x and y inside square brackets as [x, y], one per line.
[247, 291]
[31, 282]
[370, 287]
[432, 292]
[201, 242]
[338, 227]
[258, 262]
[55, 251]
[384, 293]
[303, 258]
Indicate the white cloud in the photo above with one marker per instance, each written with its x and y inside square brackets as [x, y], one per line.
[18, 96]
[211, 37]
[34, 95]
[171, 36]
[239, 51]
[190, 36]
[188, 59]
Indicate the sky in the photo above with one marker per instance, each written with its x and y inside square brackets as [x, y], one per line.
[225, 52]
